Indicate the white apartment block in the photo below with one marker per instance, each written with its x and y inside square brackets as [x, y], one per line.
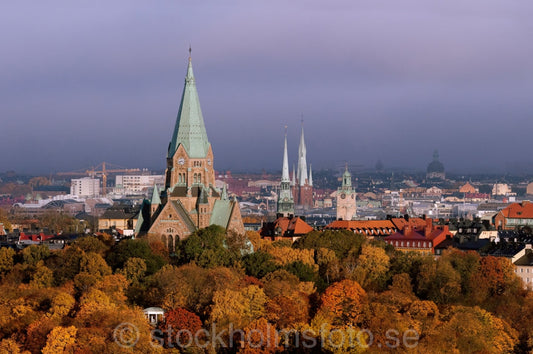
[137, 184]
[85, 187]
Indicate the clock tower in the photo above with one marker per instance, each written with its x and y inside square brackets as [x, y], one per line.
[346, 198]
[190, 199]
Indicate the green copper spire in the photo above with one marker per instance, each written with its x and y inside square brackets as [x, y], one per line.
[224, 195]
[156, 200]
[285, 198]
[346, 179]
[190, 129]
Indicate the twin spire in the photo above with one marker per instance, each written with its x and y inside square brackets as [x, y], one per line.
[301, 177]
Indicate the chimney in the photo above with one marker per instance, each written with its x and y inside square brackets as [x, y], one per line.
[407, 229]
[429, 226]
[525, 202]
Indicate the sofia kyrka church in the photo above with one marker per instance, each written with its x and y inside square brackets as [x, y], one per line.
[190, 200]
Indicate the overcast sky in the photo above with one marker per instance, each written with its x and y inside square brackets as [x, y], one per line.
[88, 81]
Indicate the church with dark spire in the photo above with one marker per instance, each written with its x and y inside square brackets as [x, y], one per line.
[190, 200]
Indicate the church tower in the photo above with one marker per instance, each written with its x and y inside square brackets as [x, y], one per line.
[285, 197]
[190, 199]
[303, 191]
[346, 198]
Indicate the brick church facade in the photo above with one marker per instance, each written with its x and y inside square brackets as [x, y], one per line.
[190, 200]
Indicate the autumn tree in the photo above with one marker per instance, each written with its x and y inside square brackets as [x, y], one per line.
[6, 260]
[138, 248]
[260, 337]
[238, 307]
[60, 340]
[42, 276]
[91, 244]
[35, 253]
[342, 242]
[439, 281]
[371, 268]
[259, 264]
[180, 325]
[471, 329]
[343, 302]
[134, 270]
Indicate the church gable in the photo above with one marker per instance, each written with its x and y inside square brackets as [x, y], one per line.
[235, 223]
[173, 219]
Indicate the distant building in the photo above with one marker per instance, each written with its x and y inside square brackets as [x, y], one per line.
[515, 215]
[85, 187]
[523, 262]
[137, 184]
[435, 170]
[283, 228]
[423, 240]
[468, 189]
[369, 228]
[121, 218]
[501, 189]
[346, 198]
[529, 189]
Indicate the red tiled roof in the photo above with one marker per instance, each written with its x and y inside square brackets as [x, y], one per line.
[522, 210]
[35, 237]
[289, 227]
[417, 223]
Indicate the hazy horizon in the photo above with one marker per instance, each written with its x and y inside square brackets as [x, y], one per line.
[90, 82]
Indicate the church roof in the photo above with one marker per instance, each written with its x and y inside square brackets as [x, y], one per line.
[156, 200]
[189, 130]
[221, 213]
[184, 216]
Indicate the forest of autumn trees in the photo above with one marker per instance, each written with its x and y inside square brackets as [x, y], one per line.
[324, 287]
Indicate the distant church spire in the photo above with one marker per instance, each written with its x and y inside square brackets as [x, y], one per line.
[293, 182]
[302, 162]
[189, 130]
[285, 173]
[285, 197]
[310, 175]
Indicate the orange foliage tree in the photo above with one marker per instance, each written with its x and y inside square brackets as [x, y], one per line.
[343, 302]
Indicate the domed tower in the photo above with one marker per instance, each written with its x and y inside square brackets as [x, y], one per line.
[435, 169]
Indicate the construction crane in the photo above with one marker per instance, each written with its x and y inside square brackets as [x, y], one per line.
[101, 169]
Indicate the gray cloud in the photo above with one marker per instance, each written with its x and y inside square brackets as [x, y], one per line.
[92, 81]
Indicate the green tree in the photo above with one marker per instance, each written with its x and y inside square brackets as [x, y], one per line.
[259, 263]
[91, 244]
[342, 242]
[137, 248]
[134, 270]
[33, 254]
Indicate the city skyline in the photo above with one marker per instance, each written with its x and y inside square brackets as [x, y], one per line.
[373, 80]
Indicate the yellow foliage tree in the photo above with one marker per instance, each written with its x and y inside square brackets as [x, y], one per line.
[60, 340]
[9, 346]
[372, 266]
[6, 259]
[238, 307]
[287, 255]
